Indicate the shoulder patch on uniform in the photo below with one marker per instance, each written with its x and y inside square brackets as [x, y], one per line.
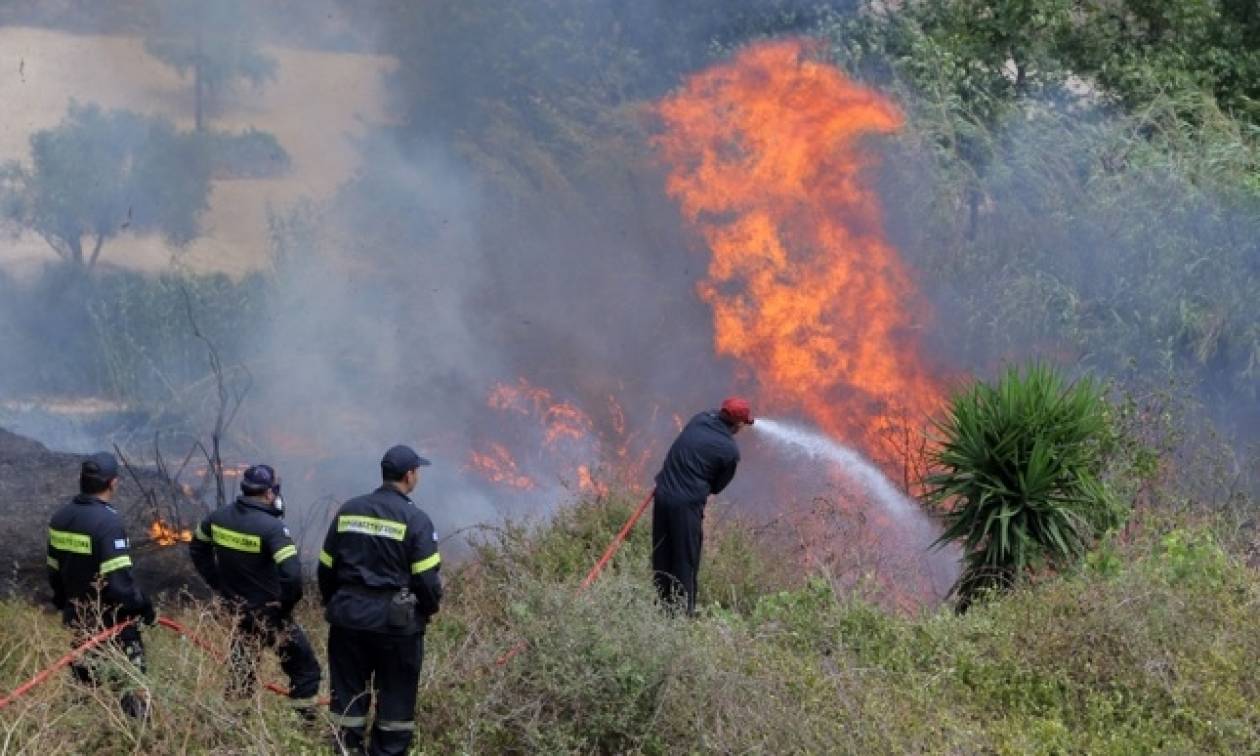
[120, 544]
[285, 529]
[435, 536]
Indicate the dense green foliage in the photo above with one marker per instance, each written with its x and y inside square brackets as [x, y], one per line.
[102, 172]
[1149, 648]
[1140, 49]
[1018, 475]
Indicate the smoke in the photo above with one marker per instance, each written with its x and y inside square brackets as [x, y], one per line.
[505, 217]
[1080, 242]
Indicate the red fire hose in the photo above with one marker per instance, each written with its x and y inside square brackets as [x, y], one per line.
[174, 626]
[108, 633]
[171, 624]
[78, 651]
[593, 575]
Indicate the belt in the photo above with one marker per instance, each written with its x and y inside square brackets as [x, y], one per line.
[370, 591]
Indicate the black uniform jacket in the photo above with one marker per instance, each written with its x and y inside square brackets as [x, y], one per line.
[700, 462]
[377, 545]
[89, 565]
[244, 551]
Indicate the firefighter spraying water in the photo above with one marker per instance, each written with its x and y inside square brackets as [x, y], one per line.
[701, 462]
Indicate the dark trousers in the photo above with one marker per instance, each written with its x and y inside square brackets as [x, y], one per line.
[364, 665]
[256, 631]
[101, 666]
[677, 536]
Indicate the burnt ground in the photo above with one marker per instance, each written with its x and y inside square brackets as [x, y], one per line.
[35, 481]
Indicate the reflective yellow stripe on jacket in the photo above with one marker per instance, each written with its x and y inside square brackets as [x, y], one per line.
[372, 526]
[231, 539]
[427, 563]
[117, 563]
[77, 543]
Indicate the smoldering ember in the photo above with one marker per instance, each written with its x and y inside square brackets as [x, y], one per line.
[747, 376]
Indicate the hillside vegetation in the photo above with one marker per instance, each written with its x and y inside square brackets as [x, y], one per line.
[1150, 647]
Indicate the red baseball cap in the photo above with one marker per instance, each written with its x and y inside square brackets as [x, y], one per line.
[735, 408]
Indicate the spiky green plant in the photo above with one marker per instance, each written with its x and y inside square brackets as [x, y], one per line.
[1018, 475]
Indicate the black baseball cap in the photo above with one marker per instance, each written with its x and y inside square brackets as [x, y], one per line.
[260, 479]
[100, 466]
[400, 460]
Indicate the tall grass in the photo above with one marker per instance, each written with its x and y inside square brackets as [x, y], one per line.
[1149, 647]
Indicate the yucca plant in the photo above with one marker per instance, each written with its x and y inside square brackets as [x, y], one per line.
[1017, 475]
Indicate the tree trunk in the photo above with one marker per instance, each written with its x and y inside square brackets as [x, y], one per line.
[96, 250]
[199, 88]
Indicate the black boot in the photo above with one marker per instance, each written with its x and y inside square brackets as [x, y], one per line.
[135, 705]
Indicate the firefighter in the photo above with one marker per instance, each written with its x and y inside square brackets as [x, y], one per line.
[378, 578]
[245, 553]
[89, 569]
[700, 462]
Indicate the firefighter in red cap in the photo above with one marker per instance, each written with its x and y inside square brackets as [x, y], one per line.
[244, 551]
[700, 462]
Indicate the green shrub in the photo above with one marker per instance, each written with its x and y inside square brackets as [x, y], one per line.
[1019, 475]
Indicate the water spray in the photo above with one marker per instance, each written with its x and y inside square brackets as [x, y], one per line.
[802, 440]
[917, 529]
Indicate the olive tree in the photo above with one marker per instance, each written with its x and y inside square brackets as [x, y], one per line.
[99, 173]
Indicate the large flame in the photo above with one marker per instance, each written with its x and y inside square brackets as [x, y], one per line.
[767, 161]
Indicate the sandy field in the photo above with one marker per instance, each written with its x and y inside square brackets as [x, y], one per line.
[316, 106]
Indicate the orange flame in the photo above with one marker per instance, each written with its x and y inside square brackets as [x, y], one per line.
[560, 420]
[571, 448]
[767, 162]
[498, 466]
[588, 483]
[164, 534]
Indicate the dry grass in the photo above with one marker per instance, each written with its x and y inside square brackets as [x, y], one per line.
[1150, 648]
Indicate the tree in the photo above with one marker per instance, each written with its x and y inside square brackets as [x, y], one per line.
[215, 40]
[1141, 49]
[98, 173]
[1020, 466]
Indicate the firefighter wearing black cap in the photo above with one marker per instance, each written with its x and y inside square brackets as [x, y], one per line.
[701, 461]
[89, 568]
[378, 578]
[245, 553]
